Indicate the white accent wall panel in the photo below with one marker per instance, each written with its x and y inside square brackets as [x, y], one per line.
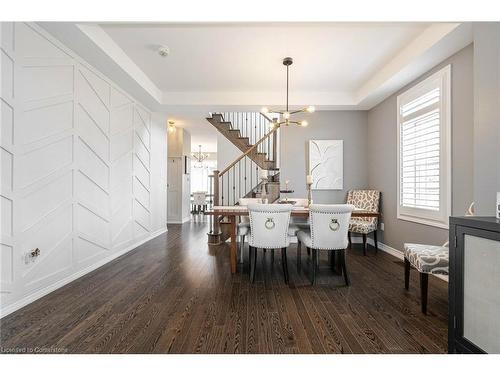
[76, 167]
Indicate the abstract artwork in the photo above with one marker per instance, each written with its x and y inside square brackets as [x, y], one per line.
[326, 164]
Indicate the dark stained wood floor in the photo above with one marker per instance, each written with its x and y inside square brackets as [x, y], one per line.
[174, 294]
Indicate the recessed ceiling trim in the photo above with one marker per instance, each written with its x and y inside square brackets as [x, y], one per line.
[431, 46]
[113, 50]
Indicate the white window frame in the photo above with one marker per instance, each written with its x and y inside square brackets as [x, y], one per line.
[418, 215]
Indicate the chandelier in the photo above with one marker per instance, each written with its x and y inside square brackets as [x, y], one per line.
[287, 114]
[171, 126]
[199, 157]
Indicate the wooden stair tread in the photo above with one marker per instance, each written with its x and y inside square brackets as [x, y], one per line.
[242, 143]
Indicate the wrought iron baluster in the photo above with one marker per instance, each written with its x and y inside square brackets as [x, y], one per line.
[222, 190]
[256, 174]
[251, 175]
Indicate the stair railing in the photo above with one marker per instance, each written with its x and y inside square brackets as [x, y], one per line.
[254, 126]
[241, 178]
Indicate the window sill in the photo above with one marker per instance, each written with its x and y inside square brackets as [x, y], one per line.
[423, 221]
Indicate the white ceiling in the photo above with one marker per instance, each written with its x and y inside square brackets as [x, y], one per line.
[235, 57]
[237, 66]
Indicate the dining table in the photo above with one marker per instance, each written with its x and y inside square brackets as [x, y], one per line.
[233, 213]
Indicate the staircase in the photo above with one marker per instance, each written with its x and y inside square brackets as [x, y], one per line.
[272, 189]
[244, 129]
[253, 135]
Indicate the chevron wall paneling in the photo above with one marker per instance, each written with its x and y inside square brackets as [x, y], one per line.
[7, 256]
[75, 167]
[142, 171]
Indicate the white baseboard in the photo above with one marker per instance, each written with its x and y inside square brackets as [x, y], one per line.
[382, 246]
[185, 220]
[48, 289]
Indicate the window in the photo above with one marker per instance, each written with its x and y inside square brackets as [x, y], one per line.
[199, 175]
[424, 172]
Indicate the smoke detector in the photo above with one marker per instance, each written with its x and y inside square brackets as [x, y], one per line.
[163, 51]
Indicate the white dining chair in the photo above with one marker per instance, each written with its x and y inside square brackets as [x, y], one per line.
[243, 228]
[199, 201]
[298, 223]
[328, 231]
[269, 230]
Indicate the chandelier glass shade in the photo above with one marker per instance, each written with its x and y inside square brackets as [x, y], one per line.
[171, 126]
[199, 158]
[286, 114]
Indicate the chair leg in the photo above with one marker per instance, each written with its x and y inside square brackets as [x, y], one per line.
[364, 244]
[241, 247]
[333, 255]
[250, 259]
[350, 240]
[424, 282]
[313, 265]
[344, 267]
[253, 263]
[299, 256]
[407, 274]
[375, 241]
[285, 264]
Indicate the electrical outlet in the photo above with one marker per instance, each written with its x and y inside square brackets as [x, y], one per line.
[498, 206]
[382, 226]
[31, 255]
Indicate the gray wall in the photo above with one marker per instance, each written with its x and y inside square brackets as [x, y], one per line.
[382, 154]
[351, 126]
[226, 151]
[486, 116]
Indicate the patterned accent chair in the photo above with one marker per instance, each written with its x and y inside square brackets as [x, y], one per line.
[368, 200]
[427, 259]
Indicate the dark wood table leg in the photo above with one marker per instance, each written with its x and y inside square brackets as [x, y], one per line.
[233, 247]
[299, 251]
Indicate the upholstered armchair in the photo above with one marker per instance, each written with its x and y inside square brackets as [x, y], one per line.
[426, 259]
[367, 200]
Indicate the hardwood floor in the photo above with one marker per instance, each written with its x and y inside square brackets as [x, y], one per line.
[174, 294]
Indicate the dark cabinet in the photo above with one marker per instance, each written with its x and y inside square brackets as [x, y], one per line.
[474, 285]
